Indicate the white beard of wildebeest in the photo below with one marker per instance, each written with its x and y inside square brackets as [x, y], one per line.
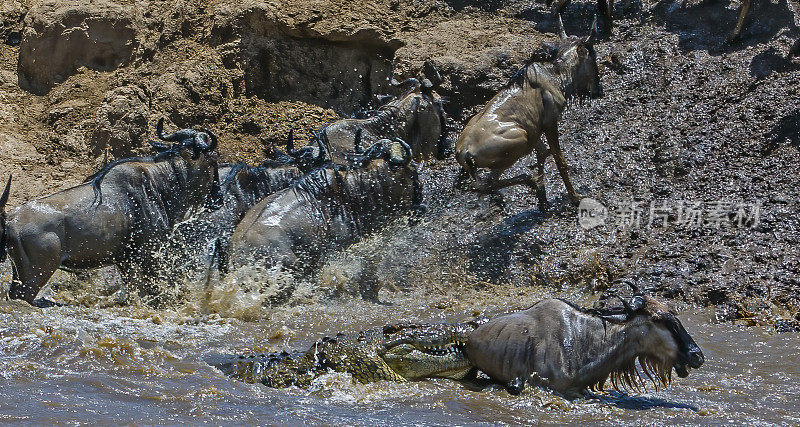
[570, 350]
[119, 217]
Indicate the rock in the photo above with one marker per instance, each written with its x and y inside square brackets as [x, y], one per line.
[62, 36]
[121, 122]
[12, 14]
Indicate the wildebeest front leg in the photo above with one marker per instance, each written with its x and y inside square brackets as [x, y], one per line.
[563, 170]
[737, 31]
[541, 156]
[32, 275]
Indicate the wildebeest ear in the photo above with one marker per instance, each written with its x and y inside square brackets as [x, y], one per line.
[4, 197]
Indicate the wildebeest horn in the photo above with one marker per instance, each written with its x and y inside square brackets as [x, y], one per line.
[214, 141]
[561, 32]
[323, 151]
[594, 34]
[159, 146]
[408, 154]
[635, 289]
[177, 136]
[290, 143]
[357, 143]
[628, 308]
[4, 197]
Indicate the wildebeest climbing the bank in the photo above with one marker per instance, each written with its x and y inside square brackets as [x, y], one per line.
[119, 216]
[511, 124]
[415, 117]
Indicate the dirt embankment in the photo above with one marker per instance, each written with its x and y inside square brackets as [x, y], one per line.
[685, 118]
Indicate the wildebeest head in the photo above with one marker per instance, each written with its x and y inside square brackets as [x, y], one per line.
[196, 147]
[203, 141]
[304, 158]
[394, 151]
[665, 344]
[578, 55]
[3, 237]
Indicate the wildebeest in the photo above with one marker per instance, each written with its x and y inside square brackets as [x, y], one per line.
[414, 117]
[570, 349]
[193, 244]
[119, 216]
[328, 209]
[511, 124]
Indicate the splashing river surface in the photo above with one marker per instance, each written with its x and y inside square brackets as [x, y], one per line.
[68, 365]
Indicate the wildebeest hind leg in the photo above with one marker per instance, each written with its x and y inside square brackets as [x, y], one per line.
[34, 274]
[563, 170]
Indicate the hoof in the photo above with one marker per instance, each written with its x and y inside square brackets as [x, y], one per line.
[515, 386]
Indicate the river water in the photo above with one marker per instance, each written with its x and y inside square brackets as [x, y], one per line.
[139, 365]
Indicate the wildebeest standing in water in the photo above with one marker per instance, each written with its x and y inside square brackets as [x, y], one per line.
[326, 210]
[119, 216]
[190, 250]
[414, 117]
[570, 350]
[512, 122]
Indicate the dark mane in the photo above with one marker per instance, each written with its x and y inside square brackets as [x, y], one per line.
[519, 78]
[97, 178]
[603, 313]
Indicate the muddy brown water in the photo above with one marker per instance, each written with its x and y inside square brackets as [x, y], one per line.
[135, 365]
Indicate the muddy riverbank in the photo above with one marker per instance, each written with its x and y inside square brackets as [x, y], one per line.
[693, 150]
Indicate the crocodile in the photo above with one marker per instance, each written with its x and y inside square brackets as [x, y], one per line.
[397, 352]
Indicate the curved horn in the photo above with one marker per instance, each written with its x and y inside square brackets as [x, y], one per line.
[159, 146]
[561, 32]
[160, 129]
[208, 146]
[628, 308]
[635, 289]
[594, 34]
[408, 154]
[4, 197]
[357, 143]
[290, 143]
[180, 135]
[323, 151]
